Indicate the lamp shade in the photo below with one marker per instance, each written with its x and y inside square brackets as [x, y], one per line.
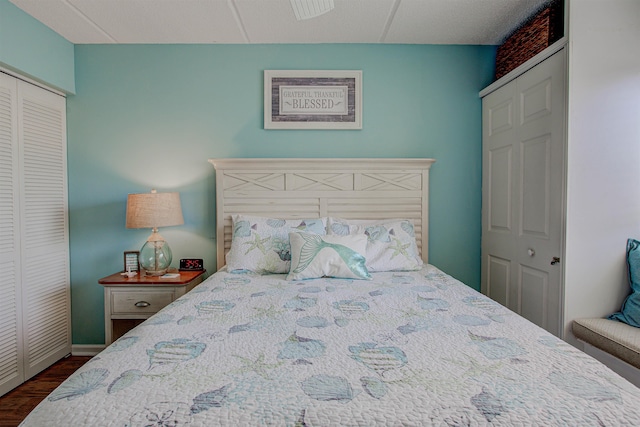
[154, 210]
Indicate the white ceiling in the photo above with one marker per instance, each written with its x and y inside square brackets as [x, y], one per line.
[273, 21]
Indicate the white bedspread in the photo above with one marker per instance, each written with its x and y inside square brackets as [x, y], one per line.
[415, 348]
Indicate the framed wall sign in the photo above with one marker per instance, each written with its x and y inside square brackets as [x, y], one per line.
[307, 99]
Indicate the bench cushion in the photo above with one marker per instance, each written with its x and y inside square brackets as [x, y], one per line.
[616, 338]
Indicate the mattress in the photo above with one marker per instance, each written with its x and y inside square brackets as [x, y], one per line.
[406, 348]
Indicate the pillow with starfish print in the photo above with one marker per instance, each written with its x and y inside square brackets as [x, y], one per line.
[391, 243]
[261, 245]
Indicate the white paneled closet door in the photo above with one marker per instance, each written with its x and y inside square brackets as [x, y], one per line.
[523, 192]
[35, 321]
[11, 350]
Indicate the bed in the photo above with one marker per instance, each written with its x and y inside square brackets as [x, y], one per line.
[397, 348]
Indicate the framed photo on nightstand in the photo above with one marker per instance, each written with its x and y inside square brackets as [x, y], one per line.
[131, 261]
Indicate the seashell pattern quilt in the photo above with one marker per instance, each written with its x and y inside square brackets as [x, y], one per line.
[412, 348]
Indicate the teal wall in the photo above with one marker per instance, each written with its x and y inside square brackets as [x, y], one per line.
[151, 115]
[34, 50]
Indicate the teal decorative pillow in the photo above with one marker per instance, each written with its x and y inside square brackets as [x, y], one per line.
[630, 312]
[261, 245]
[391, 244]
[314, 256]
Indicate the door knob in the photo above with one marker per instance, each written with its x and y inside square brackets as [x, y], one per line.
[531, 252]
[555, 260]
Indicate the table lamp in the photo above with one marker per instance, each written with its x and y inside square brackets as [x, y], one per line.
[153, 210]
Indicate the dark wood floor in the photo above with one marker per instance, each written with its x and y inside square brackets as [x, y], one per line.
[16, 405]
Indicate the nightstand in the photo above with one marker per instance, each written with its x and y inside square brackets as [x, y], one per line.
[128, 301]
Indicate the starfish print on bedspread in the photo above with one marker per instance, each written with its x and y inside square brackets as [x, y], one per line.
[258, 366]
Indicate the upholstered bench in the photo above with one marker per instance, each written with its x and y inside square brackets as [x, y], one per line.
[615, 338]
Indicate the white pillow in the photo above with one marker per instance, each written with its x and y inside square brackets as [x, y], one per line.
[314, 256]
[391, 244]
[261, 245]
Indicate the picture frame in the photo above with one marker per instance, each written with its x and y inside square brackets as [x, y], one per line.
[313, 99]
[131, 261]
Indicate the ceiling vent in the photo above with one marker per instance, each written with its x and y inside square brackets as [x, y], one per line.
[307, 9]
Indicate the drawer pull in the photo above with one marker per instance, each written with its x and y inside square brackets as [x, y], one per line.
[142, 304]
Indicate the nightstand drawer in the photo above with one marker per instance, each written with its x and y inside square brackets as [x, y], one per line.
[146, 302]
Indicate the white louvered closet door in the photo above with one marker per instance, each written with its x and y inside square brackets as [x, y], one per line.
[45, 242]
[35, 317]
[11, 352]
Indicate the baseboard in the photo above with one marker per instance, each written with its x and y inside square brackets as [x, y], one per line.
[86, 349]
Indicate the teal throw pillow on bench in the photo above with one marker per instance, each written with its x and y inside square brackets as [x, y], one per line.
[630, 313]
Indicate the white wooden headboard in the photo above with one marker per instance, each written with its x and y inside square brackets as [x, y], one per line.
[313, 188]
